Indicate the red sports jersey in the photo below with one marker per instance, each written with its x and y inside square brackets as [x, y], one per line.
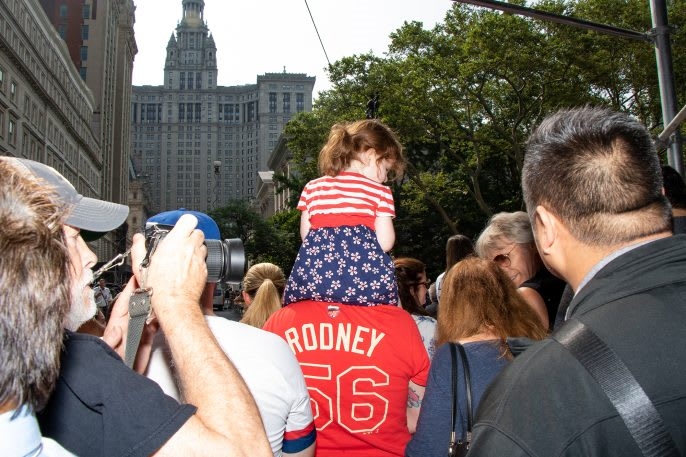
[357, 362]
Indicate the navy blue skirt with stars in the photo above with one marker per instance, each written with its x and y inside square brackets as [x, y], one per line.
[344, 265]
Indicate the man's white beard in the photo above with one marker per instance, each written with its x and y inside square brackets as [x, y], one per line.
[82, 307]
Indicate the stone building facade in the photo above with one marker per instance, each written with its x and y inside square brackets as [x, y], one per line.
[101, 43]
[51, 111]
[199, 145]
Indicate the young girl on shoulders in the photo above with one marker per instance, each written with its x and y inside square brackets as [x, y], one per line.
[346, 223]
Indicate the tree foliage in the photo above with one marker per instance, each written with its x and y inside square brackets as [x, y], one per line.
[464, 96]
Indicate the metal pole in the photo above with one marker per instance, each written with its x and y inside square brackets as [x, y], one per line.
[560, 19]
[663, 55]
[663, 138]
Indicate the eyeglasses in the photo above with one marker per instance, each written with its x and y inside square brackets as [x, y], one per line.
[426, 283]
[503, 260]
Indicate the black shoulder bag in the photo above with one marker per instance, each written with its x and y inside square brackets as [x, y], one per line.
[633, 405]
[459, 448]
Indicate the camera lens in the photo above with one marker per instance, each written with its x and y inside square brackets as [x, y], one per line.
[225, 260]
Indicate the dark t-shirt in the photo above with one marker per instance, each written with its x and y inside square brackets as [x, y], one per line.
[550, 288]
[100, 407]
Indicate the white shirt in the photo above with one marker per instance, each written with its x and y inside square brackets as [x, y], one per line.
[427, 329]
[267, 365]
[22, 437]
[104, 298]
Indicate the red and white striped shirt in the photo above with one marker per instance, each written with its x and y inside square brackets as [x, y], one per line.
[348, 194]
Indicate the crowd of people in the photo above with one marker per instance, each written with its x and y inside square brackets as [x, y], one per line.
[567, 317]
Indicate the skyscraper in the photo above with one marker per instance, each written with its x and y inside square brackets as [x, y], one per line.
[199, 145]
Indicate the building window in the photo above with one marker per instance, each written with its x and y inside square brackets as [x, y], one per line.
[2, 80]
[84, 32]
[197, 80]
[182, 80]
[12, 132]
[286, 103]
[13, 92]
[300, 102]
[62, 31]
[189, 112]
[86, 11]
[190, 80]
[82, 72]
[84, 53]
[272, 102]
[63, 10]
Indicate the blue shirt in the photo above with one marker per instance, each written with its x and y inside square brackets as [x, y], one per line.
[20, 436]
[433, 428]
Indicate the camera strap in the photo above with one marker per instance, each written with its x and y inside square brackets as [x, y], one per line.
[140, 308]
[139, 311]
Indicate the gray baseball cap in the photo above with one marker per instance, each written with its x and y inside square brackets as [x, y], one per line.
[84, 213]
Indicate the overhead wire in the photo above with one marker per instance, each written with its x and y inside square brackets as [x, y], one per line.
[318, 36]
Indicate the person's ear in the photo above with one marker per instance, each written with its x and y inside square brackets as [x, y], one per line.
[546, 229]
[368, 156]
[246, 298]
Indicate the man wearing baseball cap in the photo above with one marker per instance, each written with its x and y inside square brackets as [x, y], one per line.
[33, 303]
[100, 406]
[263, 359]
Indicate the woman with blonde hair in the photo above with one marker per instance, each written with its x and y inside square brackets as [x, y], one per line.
[480, 308]
[263, 287]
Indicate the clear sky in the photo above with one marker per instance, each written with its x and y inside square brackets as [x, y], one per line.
[265, 36]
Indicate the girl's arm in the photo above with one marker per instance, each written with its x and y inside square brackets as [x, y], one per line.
[305, 224]
[385, 232]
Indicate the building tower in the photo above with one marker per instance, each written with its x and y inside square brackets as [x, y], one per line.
[190, 132]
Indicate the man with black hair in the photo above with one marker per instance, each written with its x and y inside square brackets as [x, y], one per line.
[593, 190]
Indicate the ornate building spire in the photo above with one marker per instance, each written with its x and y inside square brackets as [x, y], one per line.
[193, 12]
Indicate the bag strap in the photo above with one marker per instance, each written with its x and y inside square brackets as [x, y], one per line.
[633, 405]
[468, 391]
[453, 383]
[468, 386]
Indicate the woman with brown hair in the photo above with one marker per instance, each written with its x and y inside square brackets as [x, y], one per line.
[412, 290]
[263, 287]
[480, 308]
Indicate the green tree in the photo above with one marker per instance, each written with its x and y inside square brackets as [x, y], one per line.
[464, 96]
[238, 220]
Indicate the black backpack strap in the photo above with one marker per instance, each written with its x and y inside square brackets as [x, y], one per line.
[633, 405]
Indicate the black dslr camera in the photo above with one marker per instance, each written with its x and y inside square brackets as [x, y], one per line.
[225, 259]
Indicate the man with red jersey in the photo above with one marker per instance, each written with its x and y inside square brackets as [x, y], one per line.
[365, 369]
